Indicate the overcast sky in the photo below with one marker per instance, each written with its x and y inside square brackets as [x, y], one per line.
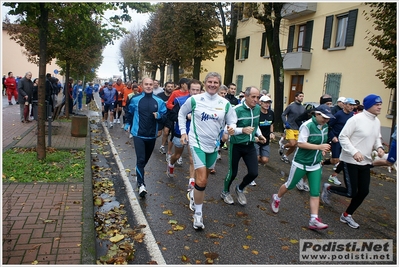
[109, 66]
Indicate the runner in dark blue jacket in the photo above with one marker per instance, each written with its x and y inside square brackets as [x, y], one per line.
[144, 115]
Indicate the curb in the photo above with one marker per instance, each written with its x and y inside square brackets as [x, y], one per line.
[88, 245]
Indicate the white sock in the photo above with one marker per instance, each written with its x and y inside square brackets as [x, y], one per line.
[277, 198]
[313, 216]
[198, 208]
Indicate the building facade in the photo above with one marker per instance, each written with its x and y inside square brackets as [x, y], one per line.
[324, 48]
[14, 60]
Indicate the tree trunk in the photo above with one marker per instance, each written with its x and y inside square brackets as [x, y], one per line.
[176, 67]
[41, 135]
[229, 40]
[197, 68]
[162, 75]
[66, 89]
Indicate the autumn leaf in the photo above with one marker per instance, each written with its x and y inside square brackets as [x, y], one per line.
[255, 252]
[178, 227]
[211, 255]
[184, 258]
[168, 212]
[35, 262]
[245, 247]
[285, 247]
[241, 214]
[116, 238]
[172, 222]
[47, 221]
[212, 235]
[293, 241]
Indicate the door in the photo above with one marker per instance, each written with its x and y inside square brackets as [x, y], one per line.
[296, 86]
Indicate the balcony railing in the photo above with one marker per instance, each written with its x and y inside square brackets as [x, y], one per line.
[294, 10]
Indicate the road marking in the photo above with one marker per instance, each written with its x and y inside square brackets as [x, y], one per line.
[138, 213]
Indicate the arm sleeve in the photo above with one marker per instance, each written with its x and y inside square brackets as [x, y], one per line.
[285, 112]
[182, 117]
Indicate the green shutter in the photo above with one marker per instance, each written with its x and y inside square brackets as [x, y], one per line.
[333, 85]
[263, 45]
[246, 47]
[240, 79]
[266, 82]
[350, 30]
[290, 44]
[308, 36]
[328, 32]
[238, 49]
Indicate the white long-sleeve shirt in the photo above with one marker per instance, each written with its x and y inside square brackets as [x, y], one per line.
[361, 133]
[209, 115]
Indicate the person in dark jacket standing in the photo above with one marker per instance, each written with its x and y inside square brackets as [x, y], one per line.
[25, 94]
[144, 114]
[231, 94]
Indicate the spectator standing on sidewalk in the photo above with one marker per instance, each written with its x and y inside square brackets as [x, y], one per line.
[78, 94]
[209, 114]
[35, 99]
[359, 137]
[12, 90]
[335, 126]
[289, 115]
[89, 93]
[312, 145]
[145, 112]
[242, 145]
[25, 94]
[4, 85]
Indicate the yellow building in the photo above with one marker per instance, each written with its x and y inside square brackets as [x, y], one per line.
[324, 48]
[14, 60]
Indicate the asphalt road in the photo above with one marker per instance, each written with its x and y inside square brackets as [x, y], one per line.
[242, 235]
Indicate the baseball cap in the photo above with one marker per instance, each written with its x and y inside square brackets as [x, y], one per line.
[350, 101]
[341, 99]
[265, 98]
[325, 111]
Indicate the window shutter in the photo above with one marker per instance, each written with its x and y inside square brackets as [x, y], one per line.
[265, 82]
[350, 31]
[240, 79]
[328, 32]
[290, 44]
[247, 47]
[308, 36]
[238, 49]
[263, 45]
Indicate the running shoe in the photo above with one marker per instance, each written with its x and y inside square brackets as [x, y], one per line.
[326, 194]
[190, 197]
[111, 125]
[168, 157]
[162, 150]
[224, 146]
[299, 185]
[349, 220]
[253, 183]
[226, 196]
[170, 169]
[142, 191]
[179, 161]
[316, 224]
[198, 222]
[118, 121]
[191, 184]
[275, 203]
[334, 180]
[285, 159]
[241, 196]
[114, 120]
[305, 186]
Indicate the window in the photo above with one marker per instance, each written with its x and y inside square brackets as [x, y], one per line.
[304, 37]
[265, 82]
[242, 49]
[344, 29]
[240, 79]
[301, 37]
[332, 85]
[264, 52]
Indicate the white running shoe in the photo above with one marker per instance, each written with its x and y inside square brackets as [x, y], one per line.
[198, 222]
[349, 220]
[334, 180]
[275, 203]
[142, 191]
[316, 224]
[118, 121]
[226, 196]
[179, 161]
[253, 183]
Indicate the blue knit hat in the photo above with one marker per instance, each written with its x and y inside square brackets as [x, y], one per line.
[371, 100]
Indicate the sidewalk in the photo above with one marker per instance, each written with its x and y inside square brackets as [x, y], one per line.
[49, 223]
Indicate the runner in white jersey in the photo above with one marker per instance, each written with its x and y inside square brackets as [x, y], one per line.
[209, 115]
